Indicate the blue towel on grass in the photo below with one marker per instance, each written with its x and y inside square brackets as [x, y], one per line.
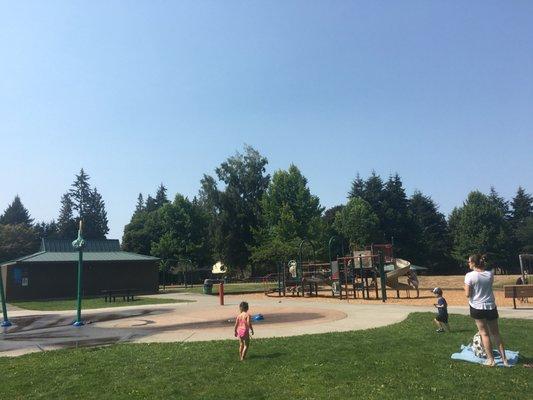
[467, 354]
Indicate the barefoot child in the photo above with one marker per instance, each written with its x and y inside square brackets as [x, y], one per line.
[442, 311]
[243, 327]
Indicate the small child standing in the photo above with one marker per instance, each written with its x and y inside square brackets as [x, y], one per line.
[442, 311]
[243, 327]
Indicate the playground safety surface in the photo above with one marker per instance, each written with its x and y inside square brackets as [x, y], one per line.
[203, 319]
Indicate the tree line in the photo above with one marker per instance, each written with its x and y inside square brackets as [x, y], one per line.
[20, 236]
[251, 220]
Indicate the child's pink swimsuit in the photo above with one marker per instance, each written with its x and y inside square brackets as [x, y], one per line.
[243, 330]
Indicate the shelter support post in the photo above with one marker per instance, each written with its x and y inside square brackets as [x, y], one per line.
[5, 323]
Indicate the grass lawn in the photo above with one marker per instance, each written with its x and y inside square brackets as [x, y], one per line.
[228, 288]
[403, 361]
[508, 281]
[60, 305]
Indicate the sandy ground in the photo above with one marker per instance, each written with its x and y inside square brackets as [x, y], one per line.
[451, 285]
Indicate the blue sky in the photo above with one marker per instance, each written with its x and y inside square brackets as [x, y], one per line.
[139, 93]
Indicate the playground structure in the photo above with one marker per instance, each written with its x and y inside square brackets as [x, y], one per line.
[347, 276]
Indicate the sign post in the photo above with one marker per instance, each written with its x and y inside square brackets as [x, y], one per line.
[221, 293]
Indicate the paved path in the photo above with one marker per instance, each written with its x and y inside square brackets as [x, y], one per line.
[203, 319]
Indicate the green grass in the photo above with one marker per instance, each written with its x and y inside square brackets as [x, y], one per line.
[501, 284]
[403, 361]
[229, 288]
[60, 305]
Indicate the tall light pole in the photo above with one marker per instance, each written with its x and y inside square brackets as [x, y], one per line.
[78, 244]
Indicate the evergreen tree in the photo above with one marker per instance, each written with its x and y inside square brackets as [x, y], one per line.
[15, 214]
[80, 193]
[524, 237]
[434, 246]
[17, 240]
[397, 222]
[358, 187]
[373, 193]
[83, 203]
[161, 196]
[479, 226]
[521, 224]
[66, 224]
[521, 206]
[140, 204]
[95, 218]
[145, 229]
[47, 230]
[499, 202]
[151, 204]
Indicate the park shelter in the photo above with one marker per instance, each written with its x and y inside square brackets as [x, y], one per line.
[51, 273]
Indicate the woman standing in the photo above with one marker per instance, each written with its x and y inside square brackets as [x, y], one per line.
[478, 289]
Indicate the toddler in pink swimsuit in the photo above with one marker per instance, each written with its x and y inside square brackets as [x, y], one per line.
[243, 327]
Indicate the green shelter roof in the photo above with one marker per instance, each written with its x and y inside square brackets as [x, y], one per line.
[95, 250]
[65, 246]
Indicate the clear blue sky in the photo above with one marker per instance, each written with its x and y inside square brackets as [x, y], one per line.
[139, 93]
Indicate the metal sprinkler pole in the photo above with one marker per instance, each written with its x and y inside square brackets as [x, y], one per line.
[79, 243]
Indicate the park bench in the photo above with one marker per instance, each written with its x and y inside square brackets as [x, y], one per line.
[520, 291]
[126, 294]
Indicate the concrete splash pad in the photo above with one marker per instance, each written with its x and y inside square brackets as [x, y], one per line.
[173, 323]
[203, 319]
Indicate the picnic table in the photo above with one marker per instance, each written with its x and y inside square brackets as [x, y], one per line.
[126, 294]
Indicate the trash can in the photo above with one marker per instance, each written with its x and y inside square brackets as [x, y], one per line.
[208, 286]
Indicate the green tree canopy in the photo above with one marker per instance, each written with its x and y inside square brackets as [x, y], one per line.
[521, 219]
[83, 202]
[434, 242]
[49, 230]
[479, 226]
[16, 214]
[357, 222]
[391, 206]
[142, 231]
[184, 232]
[161, 196]
[66, 224]
[522, 206]
[234, 212]
[17, 240]
[290, 213]
[139, 207]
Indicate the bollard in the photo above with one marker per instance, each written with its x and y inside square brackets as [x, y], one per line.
[221, 293]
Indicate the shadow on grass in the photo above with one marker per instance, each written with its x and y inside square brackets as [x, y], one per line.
[525, 361]
[265, 356]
